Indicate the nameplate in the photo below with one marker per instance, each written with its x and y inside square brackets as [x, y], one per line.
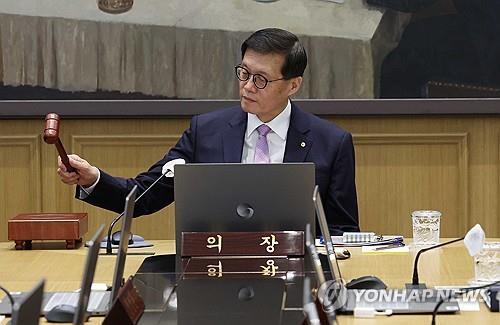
[273, 243]
[236, 267]
[127, 308]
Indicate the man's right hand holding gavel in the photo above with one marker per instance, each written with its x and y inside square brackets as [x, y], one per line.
[85, 175]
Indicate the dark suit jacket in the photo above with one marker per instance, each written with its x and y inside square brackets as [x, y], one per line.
[219, 136]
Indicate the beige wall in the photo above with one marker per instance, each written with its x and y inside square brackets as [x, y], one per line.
[449, 164]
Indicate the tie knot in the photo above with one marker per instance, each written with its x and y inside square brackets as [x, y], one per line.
[263, 130]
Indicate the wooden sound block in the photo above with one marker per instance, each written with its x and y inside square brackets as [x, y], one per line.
[24, 228]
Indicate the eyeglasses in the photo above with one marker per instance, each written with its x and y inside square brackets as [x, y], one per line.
[259, 80]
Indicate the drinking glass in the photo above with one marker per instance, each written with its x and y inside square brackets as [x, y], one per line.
[487, 263]
[426, 225]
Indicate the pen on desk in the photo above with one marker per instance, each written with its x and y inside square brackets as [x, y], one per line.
[395, 245]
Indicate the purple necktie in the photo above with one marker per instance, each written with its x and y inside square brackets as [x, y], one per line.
[261, 147]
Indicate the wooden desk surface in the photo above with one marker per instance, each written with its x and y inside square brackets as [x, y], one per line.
[62, 268]
[450, 265]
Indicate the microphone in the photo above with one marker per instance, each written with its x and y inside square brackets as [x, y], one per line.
[474, 240]
[168, 171]
[415, 283]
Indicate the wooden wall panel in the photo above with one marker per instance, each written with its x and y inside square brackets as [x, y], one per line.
[449, 163]
[126, 156]
[399, 173]
[21, 187]
[483, 155]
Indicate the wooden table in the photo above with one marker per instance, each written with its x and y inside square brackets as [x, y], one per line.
[446, 266]
[20, 270]
[62, 268]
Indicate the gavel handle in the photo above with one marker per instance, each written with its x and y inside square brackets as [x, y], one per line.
[64, 156]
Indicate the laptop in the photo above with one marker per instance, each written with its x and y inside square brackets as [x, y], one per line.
[26, 309]
[122, 248]
[243, 197]
[325, 232]
[99, 302]
[331, 316]
[395, 301]
[309, 307]
[88, 278]
[313, 255]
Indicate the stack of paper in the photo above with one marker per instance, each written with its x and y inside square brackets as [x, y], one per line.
[384, 250]
[386, 240]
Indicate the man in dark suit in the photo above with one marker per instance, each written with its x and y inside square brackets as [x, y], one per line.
[267, 128]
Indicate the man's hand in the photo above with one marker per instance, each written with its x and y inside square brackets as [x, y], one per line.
[85, 176]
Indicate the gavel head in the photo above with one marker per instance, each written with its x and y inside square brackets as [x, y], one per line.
[51, 131]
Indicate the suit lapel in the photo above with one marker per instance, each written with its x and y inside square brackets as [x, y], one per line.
[298, 141]
[233, 138]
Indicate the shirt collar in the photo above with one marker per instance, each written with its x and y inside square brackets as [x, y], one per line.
[279, 124]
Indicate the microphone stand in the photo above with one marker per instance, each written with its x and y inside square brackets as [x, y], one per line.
[415, 282]
[110, 229]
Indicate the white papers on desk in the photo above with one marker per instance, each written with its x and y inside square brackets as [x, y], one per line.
[464, 302]
[386, 240]
[468, 305]
[373, 250]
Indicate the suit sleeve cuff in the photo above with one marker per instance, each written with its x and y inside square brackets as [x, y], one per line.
[84, 192]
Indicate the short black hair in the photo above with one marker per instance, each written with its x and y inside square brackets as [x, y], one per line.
[275, 40]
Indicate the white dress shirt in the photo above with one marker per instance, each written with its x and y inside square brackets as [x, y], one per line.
[276, 139]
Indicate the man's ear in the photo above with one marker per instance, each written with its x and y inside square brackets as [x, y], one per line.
[295, 84]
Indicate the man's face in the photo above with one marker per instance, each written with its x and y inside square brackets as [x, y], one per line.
[266, 103]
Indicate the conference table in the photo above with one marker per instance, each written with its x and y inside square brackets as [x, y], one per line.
[450, 266]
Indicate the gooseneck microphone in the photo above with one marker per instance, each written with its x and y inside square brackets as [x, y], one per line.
[110, 229]
[415, 281]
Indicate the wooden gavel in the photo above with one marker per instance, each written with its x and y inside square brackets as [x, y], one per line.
[51, 136]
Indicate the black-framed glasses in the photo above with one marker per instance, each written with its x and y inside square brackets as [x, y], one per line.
[258, 80]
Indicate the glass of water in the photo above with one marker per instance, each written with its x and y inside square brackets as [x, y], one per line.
[487, 263]
[426, 227]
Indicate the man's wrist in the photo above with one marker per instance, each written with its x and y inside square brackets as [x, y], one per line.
[88, 189]
[95, 181]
